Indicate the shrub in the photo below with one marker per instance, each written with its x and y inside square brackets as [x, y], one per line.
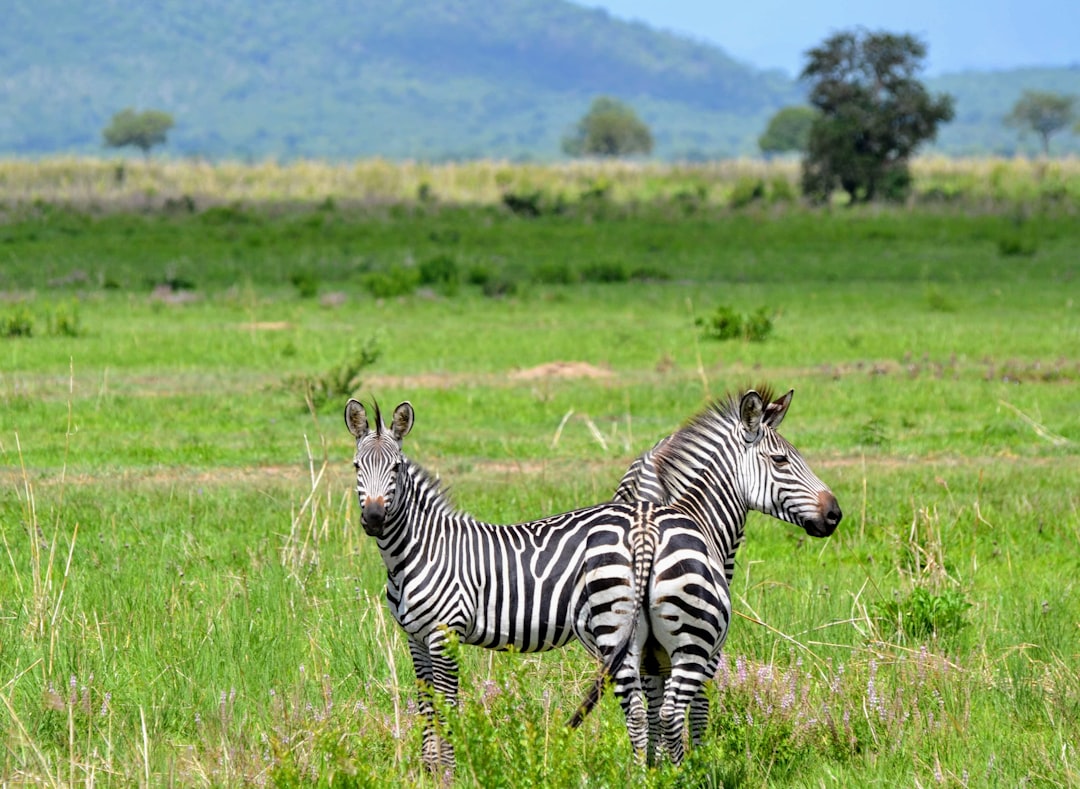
[18, 322]
[441, 272]
[727, 324]
[338, 382]
[306, 284]
[609, 271]
[747, 191]
[554, 272]
[64, 320]
[395, 281]
[1017, 246]
[527, 204]
[923, 614]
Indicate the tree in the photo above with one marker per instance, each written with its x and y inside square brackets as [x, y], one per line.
[788, 130]
[143, 130]
[872, 114]
[1043, 113]
[610, 128]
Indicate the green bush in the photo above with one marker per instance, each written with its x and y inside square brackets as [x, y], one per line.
[18, 322]
[306, 283]
[554, 272]
[339, 382]
[441, 272]
[727, 324]
[1016, 245]
[747, 191]
[922, 614]
[63, 320]
[395, 281]
[610, 271]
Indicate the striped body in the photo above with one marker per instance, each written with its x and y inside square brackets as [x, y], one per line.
[615, 576]
[728, 460]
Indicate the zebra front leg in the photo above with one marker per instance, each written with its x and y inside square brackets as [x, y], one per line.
[445, 680]
[425, 684]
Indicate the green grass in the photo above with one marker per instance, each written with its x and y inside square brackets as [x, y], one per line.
[185, 594]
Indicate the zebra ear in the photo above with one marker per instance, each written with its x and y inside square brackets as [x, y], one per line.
[356, 419]
[777, 409]
[402, 423]
[751, 408]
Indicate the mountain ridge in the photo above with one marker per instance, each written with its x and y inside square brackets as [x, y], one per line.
[422, 79]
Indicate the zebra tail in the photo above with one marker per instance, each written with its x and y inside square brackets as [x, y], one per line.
[644, 553]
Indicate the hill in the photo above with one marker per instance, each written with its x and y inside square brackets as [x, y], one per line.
[427, 79]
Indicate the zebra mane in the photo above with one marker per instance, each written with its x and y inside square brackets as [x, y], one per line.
[683, 455]
[378, 417]
[429, 487]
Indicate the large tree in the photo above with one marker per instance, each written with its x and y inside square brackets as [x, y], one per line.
[610, 128]
[788, 130]
[142, 130]
[1043, 113]
[873, 114]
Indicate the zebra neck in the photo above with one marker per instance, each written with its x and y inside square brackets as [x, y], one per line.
[423, 508]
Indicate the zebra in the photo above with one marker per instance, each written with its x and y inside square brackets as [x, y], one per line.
[533, 586]
[727, 460]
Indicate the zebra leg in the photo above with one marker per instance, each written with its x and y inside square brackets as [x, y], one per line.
[654, 694]
[425, 683]
[687, 679]
[445, 680]
[699, 708]
[631, 699]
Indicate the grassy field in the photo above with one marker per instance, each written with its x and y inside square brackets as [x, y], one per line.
[187, 599]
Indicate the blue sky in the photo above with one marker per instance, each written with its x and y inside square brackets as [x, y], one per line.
[960, 34]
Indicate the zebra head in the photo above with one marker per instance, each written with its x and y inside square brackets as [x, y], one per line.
[778, 480]
[377, 460]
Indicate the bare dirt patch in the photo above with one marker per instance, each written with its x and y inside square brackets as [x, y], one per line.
[265, 326]
[561, 369]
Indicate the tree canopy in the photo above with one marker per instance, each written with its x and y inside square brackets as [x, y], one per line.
[872, 114]
[610, 129]
[788, 130]
[142, 130]
[1042, 112]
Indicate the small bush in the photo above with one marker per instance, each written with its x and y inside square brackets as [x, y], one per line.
[18, 322]
[610, 271]
[555, 272]
[781, 190]
[727, 324]
[1017, 246]
[338, 382]
[306, 284]
[747, 191]
[500, 285]
[441, 272]
[64, 320]
[395, 281]
[922, 614]
[527, 204]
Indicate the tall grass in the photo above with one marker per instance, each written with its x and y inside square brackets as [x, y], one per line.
[182, 185]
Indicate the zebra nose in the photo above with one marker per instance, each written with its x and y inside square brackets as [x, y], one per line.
[374, 513]
[831, 508]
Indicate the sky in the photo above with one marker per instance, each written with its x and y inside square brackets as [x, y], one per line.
[960, 34]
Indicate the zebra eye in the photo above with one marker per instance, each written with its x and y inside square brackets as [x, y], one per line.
[780, 460]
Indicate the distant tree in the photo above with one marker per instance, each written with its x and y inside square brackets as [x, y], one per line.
[873, 114]
[142, 130]
[1043, 113]
[610, 128]
[788, 130]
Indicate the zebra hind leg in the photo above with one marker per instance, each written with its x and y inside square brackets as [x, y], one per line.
[683, 686]
[631, 699]
[654, 694]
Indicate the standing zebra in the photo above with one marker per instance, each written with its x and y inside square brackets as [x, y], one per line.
[728, 460]
[534, 586]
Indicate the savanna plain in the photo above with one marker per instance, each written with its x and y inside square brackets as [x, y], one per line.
[187, 597]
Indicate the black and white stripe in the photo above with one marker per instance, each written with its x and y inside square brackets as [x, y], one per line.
[620, 577]
[726, 461]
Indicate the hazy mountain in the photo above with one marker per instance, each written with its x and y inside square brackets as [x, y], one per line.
[397, 78]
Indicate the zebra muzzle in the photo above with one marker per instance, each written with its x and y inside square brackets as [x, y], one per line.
[373, 516]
